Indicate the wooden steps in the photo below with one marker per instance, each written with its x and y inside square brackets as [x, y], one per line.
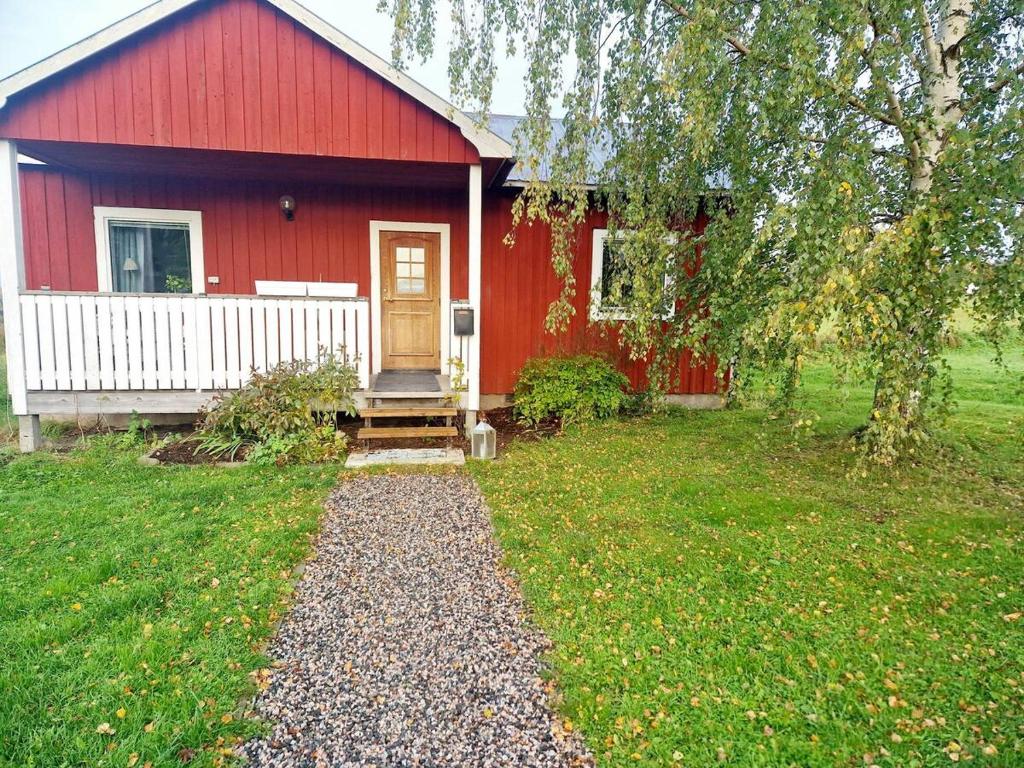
[412, 409]
[385, 433]
[435, 396]
[407, 412]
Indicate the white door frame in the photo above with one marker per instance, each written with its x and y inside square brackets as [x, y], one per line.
[445, 231]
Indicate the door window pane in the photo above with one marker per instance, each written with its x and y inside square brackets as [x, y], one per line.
[410, 270]
[150, 257]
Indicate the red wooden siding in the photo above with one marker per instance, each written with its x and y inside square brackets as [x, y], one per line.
[245, 237]
[237, 75]
[518, 286]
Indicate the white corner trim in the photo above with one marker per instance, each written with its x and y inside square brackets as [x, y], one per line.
[103, 214]
[12, 273]
[474, 274]
[488, 144]
[445, 231]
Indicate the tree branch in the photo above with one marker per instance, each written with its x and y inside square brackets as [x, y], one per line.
[998, 85]
[907, 131]
[745, 52]
[931, 47]
[737, 45]
[993, 88]
[812, 138]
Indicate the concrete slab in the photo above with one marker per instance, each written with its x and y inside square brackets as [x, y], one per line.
[406, 456]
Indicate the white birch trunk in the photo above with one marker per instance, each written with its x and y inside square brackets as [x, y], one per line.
[943, 91]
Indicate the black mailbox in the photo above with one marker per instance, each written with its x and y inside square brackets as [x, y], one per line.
[463, 321]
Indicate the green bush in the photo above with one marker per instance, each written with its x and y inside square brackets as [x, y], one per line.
[286, 415]
[572, 389]
[641, 402]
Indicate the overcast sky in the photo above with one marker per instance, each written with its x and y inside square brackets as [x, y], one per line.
[31, 30]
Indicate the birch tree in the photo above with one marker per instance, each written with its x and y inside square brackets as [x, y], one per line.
[858, 161]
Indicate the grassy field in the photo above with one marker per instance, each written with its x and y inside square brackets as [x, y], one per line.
[721, 588]
[717, 586]
[133, 602]
[8, 422]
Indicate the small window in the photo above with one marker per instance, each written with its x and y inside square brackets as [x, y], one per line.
[144, 250]
[606, 278]
[611, 293]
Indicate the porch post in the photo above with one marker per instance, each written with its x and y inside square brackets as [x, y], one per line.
[475, 231]
[12, 282]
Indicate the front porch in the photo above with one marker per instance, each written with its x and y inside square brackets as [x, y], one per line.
[78, 345]
[107, 353]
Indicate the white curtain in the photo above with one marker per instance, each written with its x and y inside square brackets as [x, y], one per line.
[130, 261]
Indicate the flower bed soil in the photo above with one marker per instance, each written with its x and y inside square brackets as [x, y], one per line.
[187, 451]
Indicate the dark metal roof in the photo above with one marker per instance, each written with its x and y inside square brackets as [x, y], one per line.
[600, 151]
[505, 125]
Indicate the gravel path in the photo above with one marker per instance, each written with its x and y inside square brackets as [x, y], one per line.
[406, 645]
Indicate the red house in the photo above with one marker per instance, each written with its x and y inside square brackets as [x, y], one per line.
[210, 186]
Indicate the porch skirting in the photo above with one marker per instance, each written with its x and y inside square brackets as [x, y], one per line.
[112, 403]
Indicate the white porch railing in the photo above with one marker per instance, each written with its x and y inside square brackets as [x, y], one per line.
[79, 342]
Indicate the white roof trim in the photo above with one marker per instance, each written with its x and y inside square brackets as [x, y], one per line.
[488, 144]
[105, 38]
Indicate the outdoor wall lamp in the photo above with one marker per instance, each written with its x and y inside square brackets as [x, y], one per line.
[287, 203]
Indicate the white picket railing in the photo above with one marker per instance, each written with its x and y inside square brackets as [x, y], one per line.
[115, 342]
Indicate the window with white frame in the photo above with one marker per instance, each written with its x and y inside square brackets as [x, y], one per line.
[149, 250]
[610, 289]
[610, 293]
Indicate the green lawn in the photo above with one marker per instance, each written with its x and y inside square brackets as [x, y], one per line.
[719, 587]
[139, 597]
[711, 581]
[8, 422]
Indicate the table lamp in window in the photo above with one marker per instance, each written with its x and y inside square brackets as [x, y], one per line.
[130, 268]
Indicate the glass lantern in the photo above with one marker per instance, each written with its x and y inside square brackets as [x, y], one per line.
[484, 441]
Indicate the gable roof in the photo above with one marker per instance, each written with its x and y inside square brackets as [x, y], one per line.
[487, 143]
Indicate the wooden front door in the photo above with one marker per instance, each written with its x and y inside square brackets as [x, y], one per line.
[410, 284]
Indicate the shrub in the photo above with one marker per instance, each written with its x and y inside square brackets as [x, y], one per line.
[641, 402]
[572, 389]
[275, 415]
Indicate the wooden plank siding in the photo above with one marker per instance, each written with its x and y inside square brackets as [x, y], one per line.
[518, 285]
[247, 239]
[234, 75]
[245, 236]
